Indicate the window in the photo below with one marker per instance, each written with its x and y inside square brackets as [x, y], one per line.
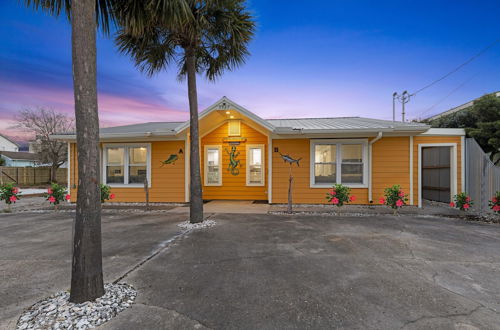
[126, 164]
[339, 161]
[234, 128]
[213, 169]
[255, 165]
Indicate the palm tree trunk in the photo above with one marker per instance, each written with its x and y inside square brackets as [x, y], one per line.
[86, 272]
[195, 195]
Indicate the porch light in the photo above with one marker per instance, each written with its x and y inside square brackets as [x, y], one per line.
[227, 112]
[231, 117]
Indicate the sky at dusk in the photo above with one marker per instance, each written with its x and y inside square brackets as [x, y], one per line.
[308, 59]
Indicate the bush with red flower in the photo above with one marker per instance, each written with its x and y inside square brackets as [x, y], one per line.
[494, 203]
[106, 193]
[339, 195]
[394, 197]
[9, 193]
[462, 202]
[56, 194]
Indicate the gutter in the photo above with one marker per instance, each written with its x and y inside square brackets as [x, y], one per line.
[370, 166]
[71, 137]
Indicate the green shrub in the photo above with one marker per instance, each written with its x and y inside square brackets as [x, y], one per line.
[9, 193]
[339, 195]
[395, 198]
[494, 203]
[462, 201]
[56, 194]
[106, 193]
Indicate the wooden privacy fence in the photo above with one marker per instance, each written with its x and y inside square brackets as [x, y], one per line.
[482, 177]
[29, 176]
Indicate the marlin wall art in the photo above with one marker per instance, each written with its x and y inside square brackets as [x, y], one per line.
[289, 159]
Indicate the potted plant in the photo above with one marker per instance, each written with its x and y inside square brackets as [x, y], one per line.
[394, 197]
[10, 194]
[462, 202]
[339, 195]
[56, 194]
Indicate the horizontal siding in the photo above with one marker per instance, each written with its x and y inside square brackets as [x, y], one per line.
[301, 190]
[167, 182]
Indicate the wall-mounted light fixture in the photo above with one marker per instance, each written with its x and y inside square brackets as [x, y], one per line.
[227, 112]
[232, 117]
[180, 151]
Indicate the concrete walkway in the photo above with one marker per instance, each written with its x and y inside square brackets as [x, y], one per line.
[223, 206]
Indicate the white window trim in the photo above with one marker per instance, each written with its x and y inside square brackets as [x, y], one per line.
[126, 163]
[338, 161]
[262, 149]
[229, 127]
[205, 165]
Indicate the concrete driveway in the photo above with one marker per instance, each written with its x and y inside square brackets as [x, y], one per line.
[272, 272]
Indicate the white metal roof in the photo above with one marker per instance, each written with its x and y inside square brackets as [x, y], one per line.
[341, 123]
[277, 126]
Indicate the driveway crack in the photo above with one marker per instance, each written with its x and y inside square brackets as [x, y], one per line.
[425, 317]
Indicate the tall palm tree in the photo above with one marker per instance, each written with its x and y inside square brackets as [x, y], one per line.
[212, 38]
[86, 270]
[85, 16]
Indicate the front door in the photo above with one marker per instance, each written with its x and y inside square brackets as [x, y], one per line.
[436, 174]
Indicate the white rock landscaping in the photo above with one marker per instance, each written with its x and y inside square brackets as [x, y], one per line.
[189, 226]
[56, 312]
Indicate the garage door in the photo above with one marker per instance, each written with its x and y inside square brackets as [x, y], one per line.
[436, 174]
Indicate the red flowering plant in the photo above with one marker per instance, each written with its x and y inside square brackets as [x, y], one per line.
[56, 194]
[462, 201]
[494, 203]
[394, 197]
[9, 193]
[106, 193]
[339, 195]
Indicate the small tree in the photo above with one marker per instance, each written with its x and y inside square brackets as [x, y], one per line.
[462, 202]
[394, 197]
[9, 193]
[43, 123]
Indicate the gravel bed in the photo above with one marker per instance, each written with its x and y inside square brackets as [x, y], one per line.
[205, 224]
[56, 312]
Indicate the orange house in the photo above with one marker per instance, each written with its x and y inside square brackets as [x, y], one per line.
[246, 157]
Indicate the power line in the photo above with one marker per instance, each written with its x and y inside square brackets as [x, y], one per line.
[447, 95]
[458, 67]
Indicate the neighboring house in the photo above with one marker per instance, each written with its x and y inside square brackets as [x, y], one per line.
[7, 144]
[19, 159]
[365, 154]
[453, 110]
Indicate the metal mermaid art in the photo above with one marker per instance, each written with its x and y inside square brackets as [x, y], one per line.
[233, 163]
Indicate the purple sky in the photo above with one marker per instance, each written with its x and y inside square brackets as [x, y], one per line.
[336, 58]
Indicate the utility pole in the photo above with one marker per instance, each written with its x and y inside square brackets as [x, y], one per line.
[394, 97]
[403, 98]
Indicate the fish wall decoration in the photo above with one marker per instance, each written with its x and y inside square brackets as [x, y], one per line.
[170, 160]
[290, 160]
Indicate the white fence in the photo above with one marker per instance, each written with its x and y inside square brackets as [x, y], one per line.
[482, 177]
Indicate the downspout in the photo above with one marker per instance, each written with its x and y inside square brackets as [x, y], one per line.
[370, 167]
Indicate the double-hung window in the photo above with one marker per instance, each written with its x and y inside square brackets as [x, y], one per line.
[255, 165]
[213, 169]
[127, 164]
[339, 161]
